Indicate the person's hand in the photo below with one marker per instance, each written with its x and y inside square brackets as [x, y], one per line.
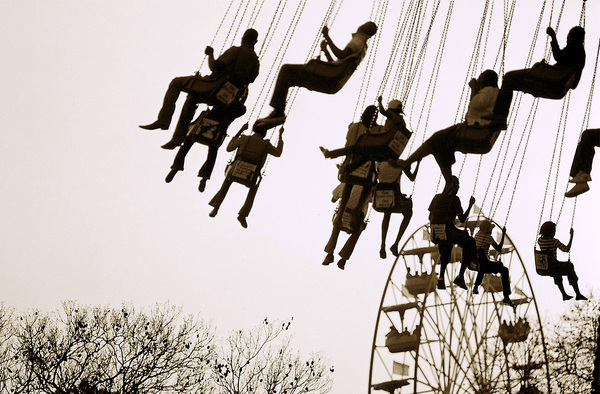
[472, 200]
[550, 31]
[571, 232]
[473, 83]
[325, 31]
[504, 230]
[245, 126]
[379, 99]
[209, 51]
[324, 45]
[281, 131]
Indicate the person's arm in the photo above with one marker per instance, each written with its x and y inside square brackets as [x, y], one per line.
[326, 51]
[568, 247]
[339, 53]
[556, 51]
[463, 216]
[382, 109]
[475, 87]
[498, 246]
[276, 151]
[210, 52]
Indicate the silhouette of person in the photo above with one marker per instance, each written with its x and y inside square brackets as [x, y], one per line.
[317, 75]
[444, 143]
[558, 269]
[240, 65]
[252, 149]
[443, 210]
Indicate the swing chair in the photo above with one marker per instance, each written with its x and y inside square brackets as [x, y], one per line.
[330, 77]
[476, 139]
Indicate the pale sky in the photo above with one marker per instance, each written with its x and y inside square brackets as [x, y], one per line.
[86, 214]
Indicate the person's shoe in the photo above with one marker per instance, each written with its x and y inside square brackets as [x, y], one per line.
[578, 189]
[394, 250]
[581, 297]
[441, 285]
[341, 264]
[475, 290]
[242, 221]
[328, 259]
[171, 145]
[155, 125]
[460, 282]
[202, 185]
[213, 213]
[581, 177]
[275, 118]
[171, 175]
[567, 297]
[508, 302]
[325, 152]
[382, 253]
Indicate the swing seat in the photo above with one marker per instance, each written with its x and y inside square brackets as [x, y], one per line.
[492, 283]
[225, 91]
[543, 262]
[476, 139]
[403, 341]
[388, 198]
[391, 385]
[243, 172]
[363, 175]
[421, 284]
[207, 131]
[330, 77]
[380, 144]
[352, 220]
[551, 82]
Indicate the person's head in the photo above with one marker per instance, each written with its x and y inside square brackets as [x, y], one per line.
[486, 226]
[396, 106]
[369, 115]
[452, 185]
[576, 35]
[369, 29]
[250, 37]
[548, 230]
[259, 130]
[488, 78]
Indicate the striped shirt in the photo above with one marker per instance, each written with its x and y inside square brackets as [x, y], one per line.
[483, 241]
[550, 245]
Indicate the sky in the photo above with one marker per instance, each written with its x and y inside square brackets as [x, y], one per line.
[86, 214]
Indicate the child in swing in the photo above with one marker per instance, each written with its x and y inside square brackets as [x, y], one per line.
[558, 269]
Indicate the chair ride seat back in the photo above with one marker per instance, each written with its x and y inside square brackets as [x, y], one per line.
[207, 131]
[551, 82]
[388, 198]
[476, 139]
[544, 260]
[381, 144]
[363, 175]
[245, 172]
[225, 90]
[438, 232]
[330, 77]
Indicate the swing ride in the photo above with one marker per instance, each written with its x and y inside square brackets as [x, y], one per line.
[425, 340]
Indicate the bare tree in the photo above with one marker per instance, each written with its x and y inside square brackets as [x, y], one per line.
[573, 348]
[96, 350]
[262, 361]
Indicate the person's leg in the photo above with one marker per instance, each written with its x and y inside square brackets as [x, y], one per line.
[179, 161]
[445, 249]
[218, 198]
[512, 80]
[569, 270]
[445, 166]
[183, 123]
[289, 75]
[385, 224]
[208, 166]
[247, 207]
[177, 85]
[584, 154]
[348, 247]
[407, 215]
[558, 280]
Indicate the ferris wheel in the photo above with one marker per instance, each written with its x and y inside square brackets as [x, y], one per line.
[453, 341]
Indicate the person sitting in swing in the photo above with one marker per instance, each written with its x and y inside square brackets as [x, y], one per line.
[349, 217]
[251, 150]
[364, 151]
[317, 75]
[558, 269]
[388, 178]
[483, 265]
[444, 143]
[240, 65]
[443, 211]
[582, 162]
[216, 122]
[545, 80]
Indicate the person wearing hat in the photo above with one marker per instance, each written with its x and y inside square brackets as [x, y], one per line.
[239, 64]
[558, 269]
[443, 143]
[252, 148]
[376, 149]
[483, 264]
